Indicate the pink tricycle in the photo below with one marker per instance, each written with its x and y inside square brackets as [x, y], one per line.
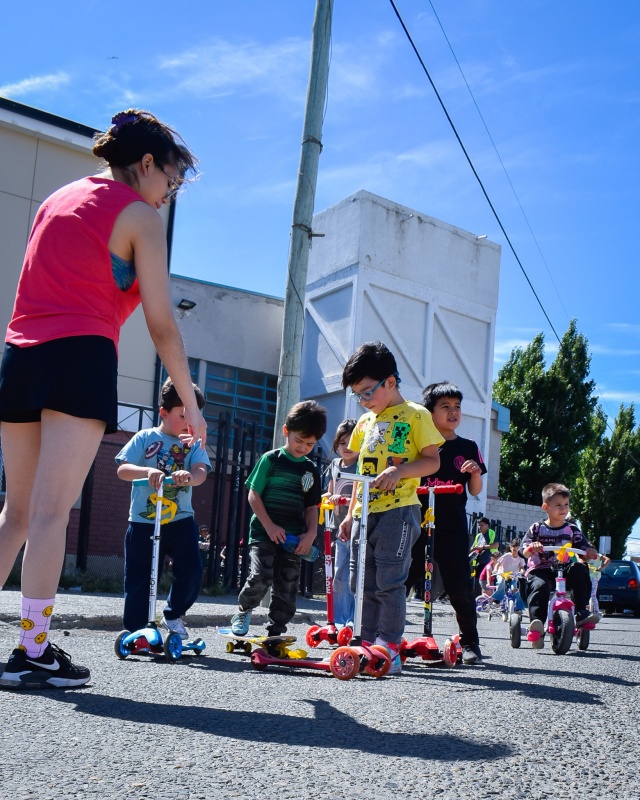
[561, 622]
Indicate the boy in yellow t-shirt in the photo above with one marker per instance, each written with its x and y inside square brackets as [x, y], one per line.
[398, 442]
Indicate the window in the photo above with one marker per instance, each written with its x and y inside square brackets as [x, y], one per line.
[243, 395]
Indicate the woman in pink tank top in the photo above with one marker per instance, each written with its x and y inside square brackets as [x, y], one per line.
[97, 248]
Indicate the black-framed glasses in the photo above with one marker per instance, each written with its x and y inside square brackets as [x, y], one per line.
[368, 394]
[174, 185]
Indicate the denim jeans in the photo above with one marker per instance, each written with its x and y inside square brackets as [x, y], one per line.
[343, 600]
[390, 537]
[179, 541]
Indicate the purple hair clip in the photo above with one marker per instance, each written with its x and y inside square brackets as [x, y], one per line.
[122, 118]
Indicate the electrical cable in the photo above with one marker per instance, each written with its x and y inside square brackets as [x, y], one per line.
[473, 169]
[504, 169]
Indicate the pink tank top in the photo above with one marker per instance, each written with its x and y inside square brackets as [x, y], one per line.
[66, 286]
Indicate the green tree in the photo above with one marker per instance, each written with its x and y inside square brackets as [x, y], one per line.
[551, 416]
[606, 499]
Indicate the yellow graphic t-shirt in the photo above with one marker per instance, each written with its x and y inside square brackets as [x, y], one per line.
[397, 435]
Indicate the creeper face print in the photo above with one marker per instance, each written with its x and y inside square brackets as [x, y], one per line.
[399, 435]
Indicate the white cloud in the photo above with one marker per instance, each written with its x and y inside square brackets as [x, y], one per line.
[620, 396]
[220, 68]
[41, 83]
[624, 327]
[605, 350]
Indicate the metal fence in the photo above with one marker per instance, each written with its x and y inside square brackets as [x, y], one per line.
[96, 529]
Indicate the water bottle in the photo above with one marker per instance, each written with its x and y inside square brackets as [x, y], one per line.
[291, 542]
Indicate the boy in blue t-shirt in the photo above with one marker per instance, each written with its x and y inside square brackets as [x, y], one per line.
[155, 453]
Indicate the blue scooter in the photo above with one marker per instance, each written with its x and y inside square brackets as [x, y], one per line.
[148, 640]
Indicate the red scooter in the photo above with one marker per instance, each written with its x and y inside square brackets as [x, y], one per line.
[425, 646]
[328, 633]
[347, 661]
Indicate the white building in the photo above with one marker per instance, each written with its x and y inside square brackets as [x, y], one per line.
[425, 288]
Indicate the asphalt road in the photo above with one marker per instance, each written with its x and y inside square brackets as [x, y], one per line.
[527, 724]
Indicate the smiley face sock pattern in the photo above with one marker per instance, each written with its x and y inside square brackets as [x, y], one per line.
[34, 624]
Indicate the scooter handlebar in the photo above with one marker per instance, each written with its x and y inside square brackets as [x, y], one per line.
[143, 481]
[343, 501]
[563, 549]
[454, 488]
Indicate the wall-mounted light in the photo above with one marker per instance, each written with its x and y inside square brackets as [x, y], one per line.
[186, 305]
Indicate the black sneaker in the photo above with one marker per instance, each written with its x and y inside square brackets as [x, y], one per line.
[584, 616]
[471, 655]
[52, 670]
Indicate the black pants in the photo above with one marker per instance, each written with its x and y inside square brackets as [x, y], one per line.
[451, 550]
[272, 565]
[540, 584]
[179, 541]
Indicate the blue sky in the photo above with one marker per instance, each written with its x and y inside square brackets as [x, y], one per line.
[557, 85]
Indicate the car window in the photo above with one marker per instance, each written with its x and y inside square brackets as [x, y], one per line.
[621, 572]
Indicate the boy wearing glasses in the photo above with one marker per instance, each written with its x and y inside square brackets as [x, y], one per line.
[398, 442]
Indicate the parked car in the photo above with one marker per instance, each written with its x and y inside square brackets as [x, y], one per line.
[619, 588]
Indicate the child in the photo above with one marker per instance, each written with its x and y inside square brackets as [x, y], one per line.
[284, 493]
[347, 461]
[487, 577]
[509, 568]
[398, 443]
[554, 532]
[460, 462]
[153, 454]
[483, 546]
[596, 566]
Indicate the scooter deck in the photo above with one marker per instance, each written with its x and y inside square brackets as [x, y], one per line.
[261, 659]
[275, 645]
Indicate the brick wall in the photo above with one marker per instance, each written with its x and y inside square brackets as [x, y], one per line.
[521, 515]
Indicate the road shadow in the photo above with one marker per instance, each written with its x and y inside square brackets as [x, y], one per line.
[531, 684]
[327, 728]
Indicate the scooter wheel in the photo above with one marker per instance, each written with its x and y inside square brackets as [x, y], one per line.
[198, 646]
[583, 639]
[344, 663]
[450, 653]
[345, 635]
[172, 647]
[403, 647]
[380, 669]
[515, 630]
[121, 651]
[311, 637]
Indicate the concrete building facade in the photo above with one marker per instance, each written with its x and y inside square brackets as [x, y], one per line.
[429, 290]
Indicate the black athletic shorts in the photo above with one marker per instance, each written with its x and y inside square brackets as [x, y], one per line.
[76, 375]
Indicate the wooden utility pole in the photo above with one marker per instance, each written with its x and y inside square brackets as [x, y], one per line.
[301, 233]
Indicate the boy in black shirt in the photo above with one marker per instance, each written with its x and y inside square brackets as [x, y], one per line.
[460, 462]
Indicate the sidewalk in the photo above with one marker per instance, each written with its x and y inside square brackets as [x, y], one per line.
[104, 611]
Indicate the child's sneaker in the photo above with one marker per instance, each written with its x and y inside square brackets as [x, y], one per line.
[52, 669]
[536, 626]
[472, 655]
[240, 622]
[176, 626]
[396, 664]
[394, 656]
[584, 616]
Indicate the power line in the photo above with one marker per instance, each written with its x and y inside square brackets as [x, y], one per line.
[473, 169]
[504, 169]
